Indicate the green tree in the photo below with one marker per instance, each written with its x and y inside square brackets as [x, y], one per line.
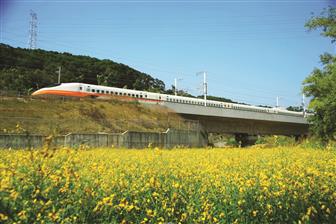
[320, 85]
[24, 70]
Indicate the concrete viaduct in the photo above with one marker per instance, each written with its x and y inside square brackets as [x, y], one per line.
[245, 125]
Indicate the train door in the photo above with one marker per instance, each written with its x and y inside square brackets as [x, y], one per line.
[88, 89]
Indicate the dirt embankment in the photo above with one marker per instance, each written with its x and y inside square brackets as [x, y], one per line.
[57, 116]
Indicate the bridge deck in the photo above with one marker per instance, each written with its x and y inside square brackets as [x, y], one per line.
[222, 120]
[233, 113]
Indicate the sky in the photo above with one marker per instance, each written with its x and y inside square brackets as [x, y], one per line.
[253, 51]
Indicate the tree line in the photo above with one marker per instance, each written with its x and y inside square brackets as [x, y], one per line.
[25, 70]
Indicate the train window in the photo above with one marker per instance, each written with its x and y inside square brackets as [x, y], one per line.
[137, 96]
[102, 91]
[93, 90]
[125, 94]
[159, 97]
[98, 91]
[133, 95]
[80, 88]
[140, 96]
[107, 92]
[145, 96]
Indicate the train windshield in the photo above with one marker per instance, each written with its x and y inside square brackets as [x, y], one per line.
[53, 85]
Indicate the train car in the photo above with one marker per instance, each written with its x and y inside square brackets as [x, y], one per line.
[97, 91]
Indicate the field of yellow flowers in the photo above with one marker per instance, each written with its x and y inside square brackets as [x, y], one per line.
[275, 185]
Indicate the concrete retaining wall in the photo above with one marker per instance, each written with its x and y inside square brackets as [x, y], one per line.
[128, 139]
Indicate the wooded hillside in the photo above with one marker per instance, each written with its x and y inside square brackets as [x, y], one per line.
[25, 70]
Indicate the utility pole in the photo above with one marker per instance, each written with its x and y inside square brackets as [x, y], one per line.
[32, 30]
[205, 86]
[175, 85]
[303, 105]
[277, 101]
[59, 74]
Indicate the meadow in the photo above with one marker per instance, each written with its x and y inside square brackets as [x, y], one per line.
[254, 185]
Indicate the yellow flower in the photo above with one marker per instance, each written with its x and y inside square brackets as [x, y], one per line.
[149, 212]
[254, 213]
[22, 215]
[3, 217]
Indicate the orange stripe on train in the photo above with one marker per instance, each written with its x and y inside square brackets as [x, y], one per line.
[83, 94]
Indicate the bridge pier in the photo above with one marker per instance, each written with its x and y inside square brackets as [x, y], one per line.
[243, 139]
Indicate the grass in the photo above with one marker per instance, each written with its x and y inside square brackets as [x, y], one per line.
[269, 185]
[56, 116]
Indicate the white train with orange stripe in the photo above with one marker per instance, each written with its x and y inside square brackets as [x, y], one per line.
[96, 91]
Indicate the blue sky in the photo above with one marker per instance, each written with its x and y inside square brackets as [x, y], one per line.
[253, 51]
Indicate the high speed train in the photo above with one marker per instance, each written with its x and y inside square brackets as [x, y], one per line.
[97, 91]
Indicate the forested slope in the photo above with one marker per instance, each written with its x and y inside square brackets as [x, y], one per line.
[25, 70]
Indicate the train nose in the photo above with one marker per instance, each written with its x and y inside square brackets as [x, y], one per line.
[38, 92]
